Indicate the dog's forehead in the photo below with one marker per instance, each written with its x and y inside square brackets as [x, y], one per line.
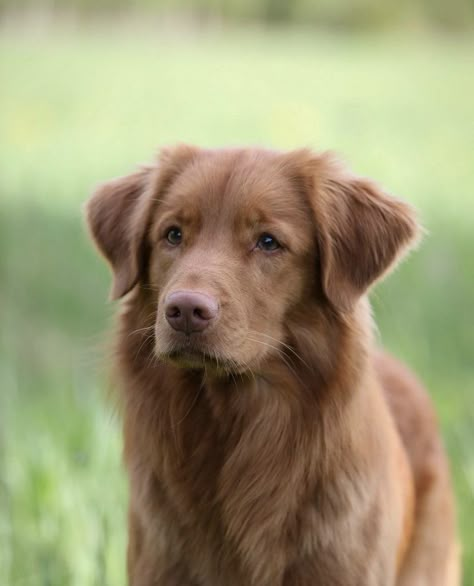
[245, 184]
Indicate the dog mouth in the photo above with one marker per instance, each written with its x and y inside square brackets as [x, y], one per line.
[193, 356]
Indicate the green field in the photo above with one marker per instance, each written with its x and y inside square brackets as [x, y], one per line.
[80, 107]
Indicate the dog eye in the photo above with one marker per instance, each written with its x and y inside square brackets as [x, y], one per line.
[174, 236]
[268, 243]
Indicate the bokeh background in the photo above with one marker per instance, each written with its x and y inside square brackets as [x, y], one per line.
[89, 88]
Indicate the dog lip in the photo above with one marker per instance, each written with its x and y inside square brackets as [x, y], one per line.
[192, 358]
[189, 348]
[187, 353]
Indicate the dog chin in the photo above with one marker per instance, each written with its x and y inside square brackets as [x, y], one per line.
[191, 358]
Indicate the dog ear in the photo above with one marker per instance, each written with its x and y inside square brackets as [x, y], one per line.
[361, 231]
[117, 226]
[119, 211]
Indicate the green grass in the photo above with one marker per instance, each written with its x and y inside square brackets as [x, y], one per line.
[77, 108]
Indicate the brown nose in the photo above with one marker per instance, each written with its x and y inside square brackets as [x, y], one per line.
[189, 311]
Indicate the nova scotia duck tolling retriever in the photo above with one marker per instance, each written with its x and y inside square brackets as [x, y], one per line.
[267, 441]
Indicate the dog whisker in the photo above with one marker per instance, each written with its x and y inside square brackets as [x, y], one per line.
[281, 343]
[140, 330]
[283, 357]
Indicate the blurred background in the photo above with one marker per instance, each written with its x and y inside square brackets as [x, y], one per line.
[89, 88]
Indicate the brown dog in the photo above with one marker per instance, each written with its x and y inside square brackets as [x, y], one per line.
[266, 441]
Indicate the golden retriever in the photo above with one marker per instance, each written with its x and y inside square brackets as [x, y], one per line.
[267, 442]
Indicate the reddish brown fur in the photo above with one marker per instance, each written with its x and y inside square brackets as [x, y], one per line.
[276, 447]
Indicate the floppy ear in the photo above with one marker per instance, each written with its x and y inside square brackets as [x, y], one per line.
[362, 232]
[119, 211]
[117, 226]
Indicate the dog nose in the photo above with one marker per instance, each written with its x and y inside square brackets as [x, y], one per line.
[189, 311]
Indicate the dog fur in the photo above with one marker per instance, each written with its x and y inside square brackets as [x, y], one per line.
[278, 446]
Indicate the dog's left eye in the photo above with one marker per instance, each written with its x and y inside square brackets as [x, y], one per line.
[268, 243]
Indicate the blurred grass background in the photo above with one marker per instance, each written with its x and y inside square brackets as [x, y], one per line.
[83, 100]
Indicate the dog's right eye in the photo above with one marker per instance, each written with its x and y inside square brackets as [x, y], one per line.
[174, 236]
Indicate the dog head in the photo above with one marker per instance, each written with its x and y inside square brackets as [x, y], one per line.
[234, 245]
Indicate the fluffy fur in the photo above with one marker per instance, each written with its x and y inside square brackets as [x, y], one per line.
[276, 447]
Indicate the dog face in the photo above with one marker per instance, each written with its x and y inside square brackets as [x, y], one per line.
[235, 245]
